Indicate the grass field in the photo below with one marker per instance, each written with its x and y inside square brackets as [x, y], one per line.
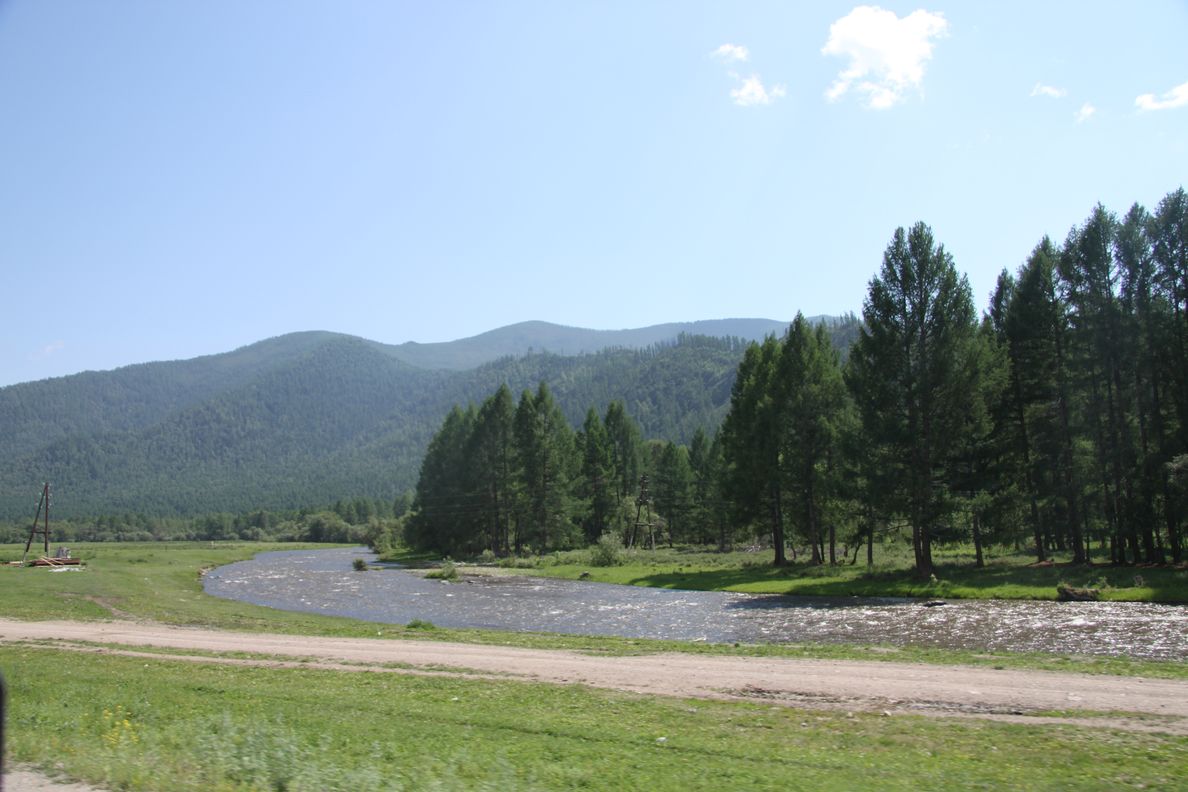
[1006, 576]
[151, 723]
[142, 724]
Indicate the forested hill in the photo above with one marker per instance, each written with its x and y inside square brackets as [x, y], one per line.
[526, 337]
[308, 418]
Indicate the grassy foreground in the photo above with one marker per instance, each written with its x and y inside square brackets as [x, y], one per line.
[150, 723]
[1008, 576]
[144, 724]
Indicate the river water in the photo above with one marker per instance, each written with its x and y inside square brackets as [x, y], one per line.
[323, 581]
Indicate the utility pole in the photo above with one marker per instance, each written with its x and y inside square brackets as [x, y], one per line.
[644, 501]
[42, 509]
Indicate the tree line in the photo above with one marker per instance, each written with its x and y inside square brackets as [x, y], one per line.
[1057, 419]
[361, 520]
[1055, 422]
[513, 477]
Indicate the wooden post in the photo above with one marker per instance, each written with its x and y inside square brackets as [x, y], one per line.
[644, 501]
[42, 509]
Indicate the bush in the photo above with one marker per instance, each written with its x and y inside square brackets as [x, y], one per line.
[447, 571]
[360, 565]
[421, 624]
[607, 552]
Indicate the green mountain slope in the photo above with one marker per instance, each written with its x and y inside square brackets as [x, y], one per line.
[307, 419]
[34, 414]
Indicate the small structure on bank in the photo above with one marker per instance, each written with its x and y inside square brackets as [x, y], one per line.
[642, 502]
[41, 528]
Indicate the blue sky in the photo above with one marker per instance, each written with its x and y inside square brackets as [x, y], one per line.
[184, 178]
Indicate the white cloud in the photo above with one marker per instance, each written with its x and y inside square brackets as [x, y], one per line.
[731, 53]
[1047, 90]
[1085, 113]
[49, 349]
[752, 92]
[887, 54]
[1176, 97]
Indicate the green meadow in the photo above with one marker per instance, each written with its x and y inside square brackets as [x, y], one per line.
[143, 724]
[151, 723]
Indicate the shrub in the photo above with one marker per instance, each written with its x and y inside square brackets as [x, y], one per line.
[607, 552]
[421, 624]
[360, 565]
[447, 571]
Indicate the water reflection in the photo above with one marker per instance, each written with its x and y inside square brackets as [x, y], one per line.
[322, 581]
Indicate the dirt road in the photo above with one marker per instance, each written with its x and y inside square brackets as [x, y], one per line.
[1133, 703]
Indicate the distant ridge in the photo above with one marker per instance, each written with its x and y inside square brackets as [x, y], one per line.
[536, 336]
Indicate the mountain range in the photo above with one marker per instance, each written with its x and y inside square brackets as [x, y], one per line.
[307, 418]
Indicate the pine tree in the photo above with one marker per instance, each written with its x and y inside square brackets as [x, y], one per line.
[911, 360]
[491, 463]
[1009, 415]
[704, 470]
[981, 467]
[547, 463]
[1037, 329]
[1148, 331]
[442, 516]
[672, 491]
[597, 476]
[811, 397]
[1090, 280]
[626, 454]
[751, 444]
[1168, 235]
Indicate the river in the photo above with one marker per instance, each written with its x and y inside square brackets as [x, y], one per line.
[323, 581]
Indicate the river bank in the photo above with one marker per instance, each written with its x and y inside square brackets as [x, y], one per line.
[1006, 576]
[163, 582]
[323, 581]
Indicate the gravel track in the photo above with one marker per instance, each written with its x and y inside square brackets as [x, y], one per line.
[893, 688]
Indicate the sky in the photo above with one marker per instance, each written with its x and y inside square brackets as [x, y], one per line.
[185, 178]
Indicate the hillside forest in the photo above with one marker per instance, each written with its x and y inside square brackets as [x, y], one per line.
[1056, 421]
[313, 418]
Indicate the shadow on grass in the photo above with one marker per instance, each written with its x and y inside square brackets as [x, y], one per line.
[1001, 580]
[713, 579]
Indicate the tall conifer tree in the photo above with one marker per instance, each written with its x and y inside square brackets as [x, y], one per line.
[912, 358]
[811, 396]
